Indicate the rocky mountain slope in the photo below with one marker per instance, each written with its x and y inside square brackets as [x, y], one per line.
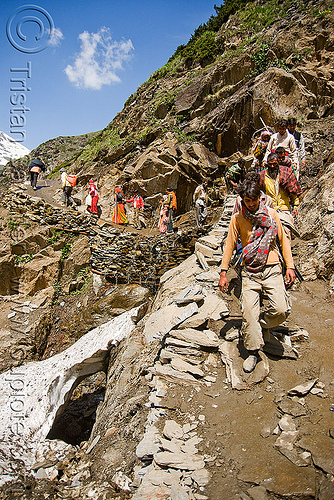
[54, 152]
[121, 359]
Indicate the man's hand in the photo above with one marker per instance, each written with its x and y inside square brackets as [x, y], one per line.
[290, 276]
[223, 282]
[294, 212]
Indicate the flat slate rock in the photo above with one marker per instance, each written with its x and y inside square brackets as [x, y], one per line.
[169, 373]
[279, 349]
[172, 430]
[258, 493]
[192, 293]
[292, 408]
[205, 250]
[295, 457]
[209, 276]
[163, 320]
[322, 449]
[207, 338]
[202, 260]
[181, 344]
[183, 366]
[149, 445]
[201, 477]
[214, 307]
[181, 461]
[209, 241]
[302, 389]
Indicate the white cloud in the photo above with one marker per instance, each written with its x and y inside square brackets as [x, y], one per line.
[56, 36]
[99, 60]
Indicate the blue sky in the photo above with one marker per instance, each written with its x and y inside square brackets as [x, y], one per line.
[101, 51]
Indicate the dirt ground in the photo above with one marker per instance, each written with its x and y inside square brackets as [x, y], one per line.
[237, 432]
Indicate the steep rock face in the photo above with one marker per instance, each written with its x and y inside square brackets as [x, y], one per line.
[316, 226]
[169, 164]
[276, 93]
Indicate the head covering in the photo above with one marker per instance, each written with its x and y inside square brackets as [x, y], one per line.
[62, 169]
[118, 190]
[91, 181]
[264, 134]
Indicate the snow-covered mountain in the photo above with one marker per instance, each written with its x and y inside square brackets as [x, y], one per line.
[10, 149]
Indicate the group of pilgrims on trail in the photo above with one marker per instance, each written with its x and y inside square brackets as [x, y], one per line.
[259, 233]
[277, 159]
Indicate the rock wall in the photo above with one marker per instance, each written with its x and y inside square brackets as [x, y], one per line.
[316, 227]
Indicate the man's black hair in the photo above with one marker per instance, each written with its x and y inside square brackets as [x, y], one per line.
[250, 186]
[282, 123]
[292, 121]
[280, 149]
[272, 156]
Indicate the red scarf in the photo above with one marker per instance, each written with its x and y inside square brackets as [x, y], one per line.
[264, 233]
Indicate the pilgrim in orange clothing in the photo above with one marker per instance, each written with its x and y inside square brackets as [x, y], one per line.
[118, 215]
[259, 229]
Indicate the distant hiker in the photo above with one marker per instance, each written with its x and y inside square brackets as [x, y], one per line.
[286, 140]
[138, 206]
[259, 149]
[258, 228]
[163, 215]
[172, 207]
[235, 174]
[300, 143]
[283, 157]
[200, 199]
[35, 167]
[94, 197]
[118, 215]
[281, 184]
[66, 198]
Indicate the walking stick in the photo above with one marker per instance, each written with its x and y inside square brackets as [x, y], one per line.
[265, 126]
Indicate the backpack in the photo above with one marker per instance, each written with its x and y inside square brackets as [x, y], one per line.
[174, 203]
[72, 179]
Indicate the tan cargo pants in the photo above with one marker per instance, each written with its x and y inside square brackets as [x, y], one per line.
[271, 282]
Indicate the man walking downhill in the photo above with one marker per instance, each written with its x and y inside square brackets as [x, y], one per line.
[200, 199]
[286, 140]
[66, 198]
[258, 228]
[280, 183]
